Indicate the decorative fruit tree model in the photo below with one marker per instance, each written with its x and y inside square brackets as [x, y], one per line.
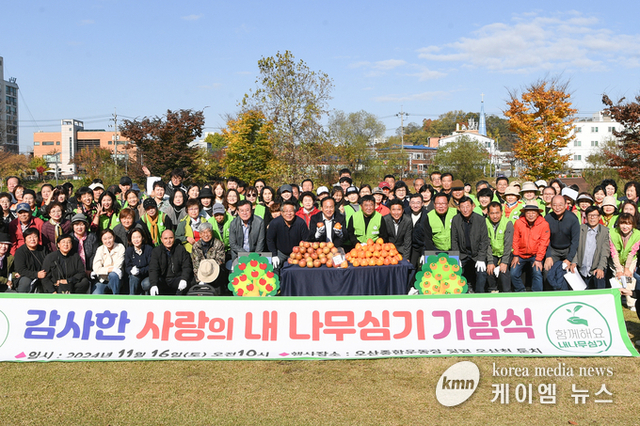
[254, 276]
[440, 275]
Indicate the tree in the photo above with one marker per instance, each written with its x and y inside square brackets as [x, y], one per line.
[98, 163]
[39, 165]
[353, 136]
[216, 140]
[295, 99]
[625, 157]
[465, 158]
[12, 164]
[163, 141]
[249, 153]
[543, 120]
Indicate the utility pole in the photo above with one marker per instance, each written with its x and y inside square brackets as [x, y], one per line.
[402, 114]
[115, 137]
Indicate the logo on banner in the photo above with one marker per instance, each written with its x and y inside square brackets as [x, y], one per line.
[4, 328]
[578, 327]
[457, 383]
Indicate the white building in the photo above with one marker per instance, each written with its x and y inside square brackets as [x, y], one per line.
[8, 112]
[591, 134]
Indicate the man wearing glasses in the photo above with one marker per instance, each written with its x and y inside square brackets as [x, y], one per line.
[593, 250]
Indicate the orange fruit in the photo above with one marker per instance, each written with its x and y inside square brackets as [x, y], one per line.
[369, 242]
[379, 261]
[355, 262]
[379, 241]
[344, 264]
[399, 256]
[372, 262]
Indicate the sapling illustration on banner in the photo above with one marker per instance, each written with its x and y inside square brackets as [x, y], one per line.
[254, 277]
[575, 319]
[440, 274]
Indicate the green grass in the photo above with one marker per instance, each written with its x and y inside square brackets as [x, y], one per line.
[360, 392]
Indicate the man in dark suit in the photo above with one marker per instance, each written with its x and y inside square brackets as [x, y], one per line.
[593, 250]
[399, 228]
[254, 240]
[329, 218]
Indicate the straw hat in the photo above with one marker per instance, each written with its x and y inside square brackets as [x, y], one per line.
[208, 271]
[529, 187]
[512, 190]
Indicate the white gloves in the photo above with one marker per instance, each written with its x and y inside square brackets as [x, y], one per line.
[338, 232]
[94, 275]
[201, 283]
[135, 270]
[154, 290]
[481, 266]
[275, 261]
[496, 271]
[118, 272]
[422, 259]
[182, 285]
[321, 231]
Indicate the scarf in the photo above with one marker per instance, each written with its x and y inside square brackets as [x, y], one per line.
[153, 228]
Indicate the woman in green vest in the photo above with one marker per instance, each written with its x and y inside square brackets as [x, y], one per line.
[625, 241]
[609, 212]
[188, 229]
[107, 216]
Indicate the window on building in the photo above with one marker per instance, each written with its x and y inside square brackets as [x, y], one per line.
[47, 143]
[577, 143]
[109, 143]
[611, 129]
[594, 143]
[577, 157]
[578, 129]
[57, 142]
[36, 143]
[594, 130]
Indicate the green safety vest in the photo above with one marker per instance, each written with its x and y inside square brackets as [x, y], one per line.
[349, 211]
[373, 229]
[623, 252]
[103, 222]
[225, 229]
[259, 211]
[612, 223]
[441, 232]
[161, 225]
[497, 237]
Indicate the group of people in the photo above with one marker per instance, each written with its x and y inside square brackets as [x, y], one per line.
[167, 237]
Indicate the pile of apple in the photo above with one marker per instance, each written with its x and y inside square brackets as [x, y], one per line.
[314, 255]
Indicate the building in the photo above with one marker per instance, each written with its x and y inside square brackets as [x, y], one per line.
[59, 148]
[9, 139]
[591, 134]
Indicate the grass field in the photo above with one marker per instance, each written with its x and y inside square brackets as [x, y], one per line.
[366, 392]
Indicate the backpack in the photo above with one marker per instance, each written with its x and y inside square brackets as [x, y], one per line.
[201, 290]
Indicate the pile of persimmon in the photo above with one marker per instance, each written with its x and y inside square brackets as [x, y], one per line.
[314, 255]
[374, 254]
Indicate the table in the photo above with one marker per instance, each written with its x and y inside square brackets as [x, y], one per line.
[352, 281]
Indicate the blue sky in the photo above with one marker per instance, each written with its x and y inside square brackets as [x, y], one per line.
[82, 59]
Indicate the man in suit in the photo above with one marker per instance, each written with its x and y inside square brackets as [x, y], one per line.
[334, 225]
[247, 231]
[470, 237]
[399, 228]
[593, 250]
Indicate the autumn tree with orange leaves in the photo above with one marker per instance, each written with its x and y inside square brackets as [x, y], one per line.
[625, 154]
[543, 119]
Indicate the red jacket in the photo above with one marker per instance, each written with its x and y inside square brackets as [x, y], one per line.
[306, 217]
[531, 240]
[15, 232]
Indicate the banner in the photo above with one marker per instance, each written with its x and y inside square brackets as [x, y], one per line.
[38, 327]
